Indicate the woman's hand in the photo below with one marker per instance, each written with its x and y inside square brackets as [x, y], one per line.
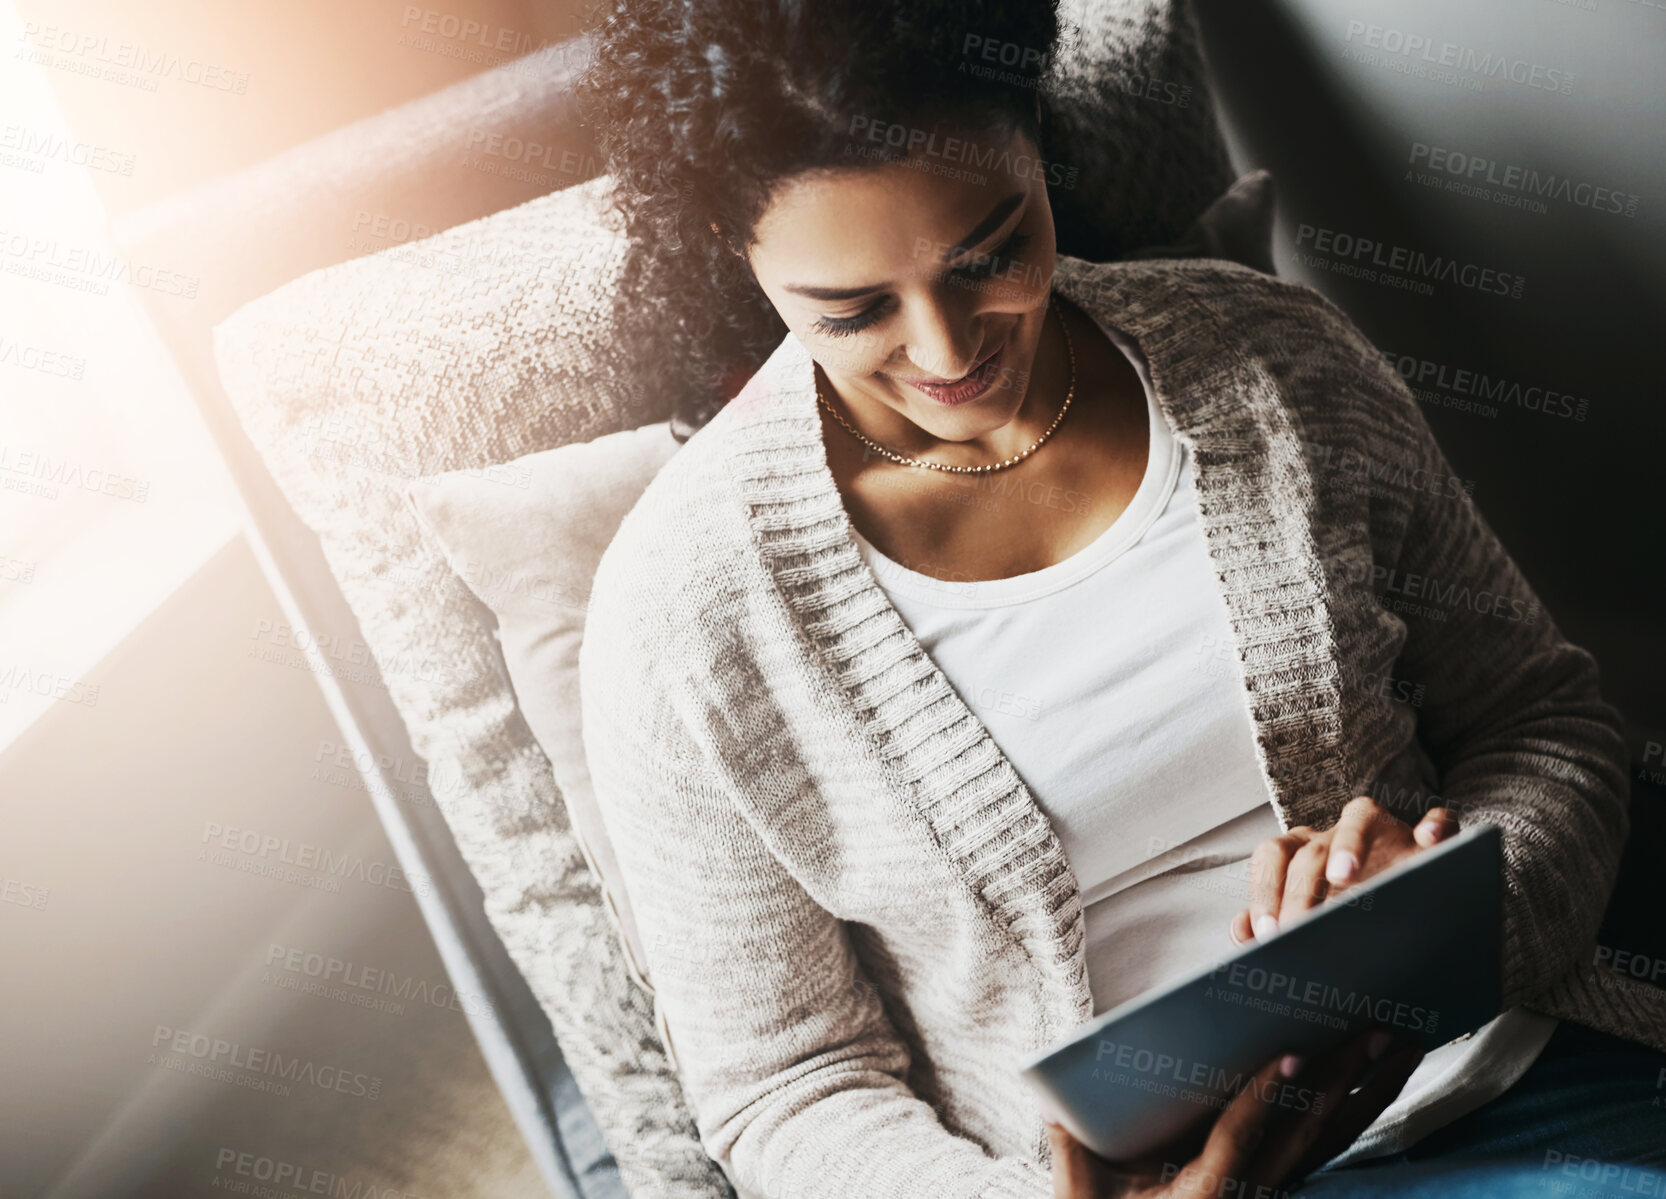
[1290, 1120]
[1295, 872]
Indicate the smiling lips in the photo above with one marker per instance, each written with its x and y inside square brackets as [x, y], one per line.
[969, 386]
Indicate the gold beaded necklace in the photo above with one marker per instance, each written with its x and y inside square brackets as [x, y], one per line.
[927, 464]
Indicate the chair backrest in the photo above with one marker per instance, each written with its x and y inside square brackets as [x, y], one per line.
[1525, 326]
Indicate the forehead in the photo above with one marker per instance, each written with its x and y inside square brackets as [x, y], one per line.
[831, 226]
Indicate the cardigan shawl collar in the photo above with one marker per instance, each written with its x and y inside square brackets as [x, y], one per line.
[1249, 471]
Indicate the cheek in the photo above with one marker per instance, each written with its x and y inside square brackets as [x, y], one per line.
[1042, 259]
[847, 357]
[1027, 282]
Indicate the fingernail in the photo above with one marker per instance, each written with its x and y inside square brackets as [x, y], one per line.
[1049, 1114]
[1266, 926]
[1377, 1044]
[1289, 1064]
[1341, 867]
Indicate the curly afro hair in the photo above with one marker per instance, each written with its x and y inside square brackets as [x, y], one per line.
[703, 107]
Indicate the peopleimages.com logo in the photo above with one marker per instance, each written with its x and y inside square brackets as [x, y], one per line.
[253, 1067]
[374, 987]
[1475, 390]
[892, 138]
[1510, 184]
[1377, 261]
[44, 145]
[1205, 1083]
[1449, 62]
[262, 1174]
[86, 268]
[37, 358]
[1314, 999]
[96, 55]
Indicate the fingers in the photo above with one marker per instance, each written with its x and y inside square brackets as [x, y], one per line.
[1313, 1098]
[1437, 825]
[1355, 1112]
[1072, 1176]
[1351, 840]
[1078, 1173]
[1234, 1144]
[1267, 878]
[1291, 1118]
[1369, 838]
[1304, 879]
[1240, 929]
[1293, 873]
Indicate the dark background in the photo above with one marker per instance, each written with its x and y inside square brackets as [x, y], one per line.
[1579, 504]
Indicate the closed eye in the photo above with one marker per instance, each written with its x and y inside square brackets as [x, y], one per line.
[845, 326]
[985, 265]
[981, 267]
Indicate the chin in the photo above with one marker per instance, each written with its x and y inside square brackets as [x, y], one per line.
[977, 418]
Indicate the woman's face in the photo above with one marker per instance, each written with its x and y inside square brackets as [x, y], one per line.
[920, 287]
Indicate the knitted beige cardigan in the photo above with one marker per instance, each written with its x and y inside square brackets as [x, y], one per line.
[858, 920]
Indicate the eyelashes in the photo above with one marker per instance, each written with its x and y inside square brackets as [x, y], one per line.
[981, 268]
[846, 326]
[985, 266]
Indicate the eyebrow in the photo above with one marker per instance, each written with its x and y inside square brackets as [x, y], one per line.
[994, 220]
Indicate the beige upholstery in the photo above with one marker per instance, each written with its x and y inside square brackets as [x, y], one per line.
[530, 554]
[471, 349]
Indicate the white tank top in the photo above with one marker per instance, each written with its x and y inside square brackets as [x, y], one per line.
[1110, 682]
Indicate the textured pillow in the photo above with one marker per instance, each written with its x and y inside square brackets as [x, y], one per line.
[530, 555]
[1238, 226]
[1131, 117]
[487, 342]
[492, 341]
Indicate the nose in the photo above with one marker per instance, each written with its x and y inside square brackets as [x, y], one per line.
[943, 340]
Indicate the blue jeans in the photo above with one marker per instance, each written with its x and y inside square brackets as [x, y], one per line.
[1587, 1121]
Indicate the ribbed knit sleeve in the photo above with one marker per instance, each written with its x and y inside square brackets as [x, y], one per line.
[1512, 719]
[795, 1074]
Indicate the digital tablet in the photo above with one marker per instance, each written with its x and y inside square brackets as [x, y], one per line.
[1417, 948]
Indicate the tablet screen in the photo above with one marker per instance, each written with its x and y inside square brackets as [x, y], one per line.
[1418, 949]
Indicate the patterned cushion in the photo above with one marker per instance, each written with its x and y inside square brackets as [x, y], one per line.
[471, 349]
[1132, 116]
[491, 341]
[531, 554]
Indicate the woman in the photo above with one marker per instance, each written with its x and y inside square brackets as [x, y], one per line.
[953, 682]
